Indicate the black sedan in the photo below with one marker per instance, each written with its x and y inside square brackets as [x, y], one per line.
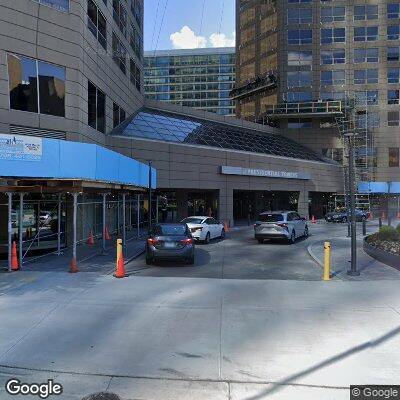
[344, 216]
[170, 242]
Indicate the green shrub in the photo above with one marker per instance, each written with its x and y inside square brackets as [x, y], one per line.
[398, 229]
[388, 233]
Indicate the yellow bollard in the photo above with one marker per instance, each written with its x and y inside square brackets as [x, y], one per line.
[327, 261]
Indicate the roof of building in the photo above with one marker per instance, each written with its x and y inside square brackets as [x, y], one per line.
[168, 126]
[190, 52]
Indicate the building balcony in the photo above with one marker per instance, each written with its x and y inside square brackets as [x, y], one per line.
[316, 109]
[255, 86]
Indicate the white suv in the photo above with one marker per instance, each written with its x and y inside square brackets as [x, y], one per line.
[280, 225]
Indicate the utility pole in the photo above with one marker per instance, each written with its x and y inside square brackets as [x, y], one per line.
[353, 271]
[150, 195]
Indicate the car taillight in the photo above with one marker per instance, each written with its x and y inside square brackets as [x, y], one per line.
[152, 241]
[283, 226]
[186, 241]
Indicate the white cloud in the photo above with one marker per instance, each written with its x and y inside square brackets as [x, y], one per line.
[221, 40]
[187, 39]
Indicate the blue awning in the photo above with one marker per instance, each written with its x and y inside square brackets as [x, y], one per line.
[32, 157]
[379, 187]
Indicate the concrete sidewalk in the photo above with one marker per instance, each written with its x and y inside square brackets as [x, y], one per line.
[369, 268]
[182, 338]
[89, 257]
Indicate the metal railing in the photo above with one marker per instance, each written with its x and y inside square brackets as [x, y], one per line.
[312, 107]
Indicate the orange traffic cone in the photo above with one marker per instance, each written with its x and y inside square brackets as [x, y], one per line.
[383, 215]
[73, 268]
[313, 220]
[90, 240]
[226, 226]
[14, 257]
[398, 215]
[371, 215]
[107, 234]
[120, 271]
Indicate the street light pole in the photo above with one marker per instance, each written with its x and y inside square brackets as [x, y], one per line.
[353, 271]
[150, 195]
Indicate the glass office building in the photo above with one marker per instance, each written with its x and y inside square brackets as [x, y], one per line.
[199, 78]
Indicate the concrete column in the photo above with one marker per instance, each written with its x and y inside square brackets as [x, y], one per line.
[59, 226]
[103, 244]
[182, 204]
[138, 215]
[21, 228]
[303, 204]
[226, 206]
[9, 229]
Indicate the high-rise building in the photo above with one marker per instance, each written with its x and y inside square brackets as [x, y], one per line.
[199, 78]
[299, 60]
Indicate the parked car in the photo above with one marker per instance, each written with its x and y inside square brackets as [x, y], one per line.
[286, 225]
[204, 228]
[344, 216]
[170, 241]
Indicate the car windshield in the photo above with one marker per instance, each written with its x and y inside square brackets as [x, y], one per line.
[270, 217]
[193, 220]
[170, 230]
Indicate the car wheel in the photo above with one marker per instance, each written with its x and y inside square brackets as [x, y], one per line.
[222, 234]
[306, 233]
[190, 260]
[207, 239]
[261, 241]
[292, 239]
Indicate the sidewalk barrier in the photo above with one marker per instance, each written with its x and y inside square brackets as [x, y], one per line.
[327, 261]
[313, 220]
[73, 268]
[107, 233]
[120, 267]
[226, 226]
[90, 240]
[14, 257]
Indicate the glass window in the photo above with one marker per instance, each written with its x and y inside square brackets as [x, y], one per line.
[365, 33]
[394, 157]
[364, 76]
[393, 32]
[393, 96]
[367, 97]
[119, 115]
[367, 121]
[51, 89]
[393, 75]
[300, 58]
[294, 123]
[300, 36]
[136, 42]
[366, 55]
[333, 35]
[393, 53]
[333, 14]
[336, 77]
[97, 23]
[135, 74]
[22, 72]
[363, 12]
[296, 97]
[119, 53]
[119, 15]
[299, 78]
[137, 11]
[393, 118]
[299, 15]
[332, 96]
[60, 5]
[393, 11]
[32, 81]
[336, 56]
[96, 108]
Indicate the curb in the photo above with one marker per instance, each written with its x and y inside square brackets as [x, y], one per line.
[312, 255]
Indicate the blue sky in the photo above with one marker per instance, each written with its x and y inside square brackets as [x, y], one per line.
[182, 20]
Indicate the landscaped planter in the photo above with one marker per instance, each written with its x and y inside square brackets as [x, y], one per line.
[390, 259]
